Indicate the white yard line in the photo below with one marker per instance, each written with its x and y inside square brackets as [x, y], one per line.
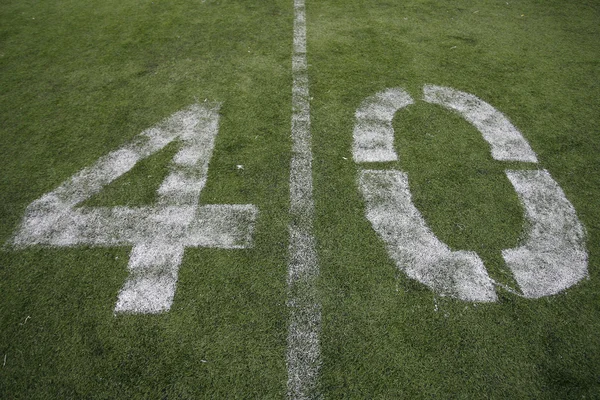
[303, 353]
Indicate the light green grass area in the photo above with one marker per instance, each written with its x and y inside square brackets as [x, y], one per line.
[81, 79]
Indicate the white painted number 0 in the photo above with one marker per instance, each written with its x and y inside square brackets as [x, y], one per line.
[553, 256]
[160, 233]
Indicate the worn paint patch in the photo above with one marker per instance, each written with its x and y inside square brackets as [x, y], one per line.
[373, 131]
[507, 143]
[303, 347]
[414, 247]
[553, 256]
[150, 287]
[159, 234]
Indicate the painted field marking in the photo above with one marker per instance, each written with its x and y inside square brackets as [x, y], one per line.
[552, 256]
[159, 234]
[414, 247]
[303, 348]
[373, 131]
[506, 142]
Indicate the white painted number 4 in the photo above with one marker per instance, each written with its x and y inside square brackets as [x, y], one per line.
[160, 233]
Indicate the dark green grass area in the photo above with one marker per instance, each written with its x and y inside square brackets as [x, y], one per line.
[384, 335]
[80, 79]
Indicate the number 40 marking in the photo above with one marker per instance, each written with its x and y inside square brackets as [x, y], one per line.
[159, 234]
[551, 258]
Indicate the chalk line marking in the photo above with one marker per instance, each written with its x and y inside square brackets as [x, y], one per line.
[303, 348]
[159, 234]
[373, 131]
[552, 256]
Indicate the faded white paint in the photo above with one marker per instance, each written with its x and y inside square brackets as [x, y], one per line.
[159, 234]
[412, 245]
[507, 143]
[303, 348]
[373, 131]
[153, 269]
[553, 256]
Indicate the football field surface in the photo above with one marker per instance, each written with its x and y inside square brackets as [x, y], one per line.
[299, 199]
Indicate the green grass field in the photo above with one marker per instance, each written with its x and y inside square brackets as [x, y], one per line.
[82, 79]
